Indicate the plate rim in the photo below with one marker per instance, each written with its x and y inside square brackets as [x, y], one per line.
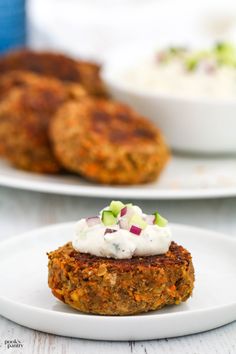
[45, 229]
[96, 191]
[230, 307]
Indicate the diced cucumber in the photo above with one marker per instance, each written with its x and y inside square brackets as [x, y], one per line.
[108, 218]
[116, 207]
[159, 220]
[191, 63]
[137, 220]
[225, 53]
[224, 47]
[176, 51]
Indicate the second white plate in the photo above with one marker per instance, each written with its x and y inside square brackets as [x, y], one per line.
[26, 299]
[183, 178]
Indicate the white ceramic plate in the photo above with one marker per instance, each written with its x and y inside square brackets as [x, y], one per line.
[26, 299]
[184, 177]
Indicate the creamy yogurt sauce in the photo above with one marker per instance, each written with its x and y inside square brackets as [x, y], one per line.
[186, 73]
[113, 241]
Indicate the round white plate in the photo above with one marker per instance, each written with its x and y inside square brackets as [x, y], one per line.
[26, 299]
[183, 178]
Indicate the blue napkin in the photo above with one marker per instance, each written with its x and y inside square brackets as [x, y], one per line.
[12, 24]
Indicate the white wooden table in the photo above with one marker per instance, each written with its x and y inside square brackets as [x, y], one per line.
[21, 211]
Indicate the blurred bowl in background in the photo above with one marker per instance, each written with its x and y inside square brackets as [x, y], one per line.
[89, 28]
[203, 125]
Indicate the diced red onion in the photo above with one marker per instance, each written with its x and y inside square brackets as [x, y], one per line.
[150, 219]
[124, 220]
[207, 66]
[160, 57]
[93, 220]
[109, 231]
[135, 230]
[123, 223]
[210, 68]
[123, 211]
[130, 212]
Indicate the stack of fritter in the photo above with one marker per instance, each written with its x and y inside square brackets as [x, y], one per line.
[57, 66]
[55, 114]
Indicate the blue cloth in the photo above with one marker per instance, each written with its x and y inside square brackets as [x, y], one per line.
[12, 24]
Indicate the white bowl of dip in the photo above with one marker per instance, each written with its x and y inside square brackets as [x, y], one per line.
[193, 119]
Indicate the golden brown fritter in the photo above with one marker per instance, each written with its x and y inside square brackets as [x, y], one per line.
[24, 117]
[14, 79]
[55, 65]
[8, 81]
[18, 79]
[109, 286]
[90, 79]
[107, 142]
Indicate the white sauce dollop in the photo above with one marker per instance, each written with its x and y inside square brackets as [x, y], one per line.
[121, 244]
